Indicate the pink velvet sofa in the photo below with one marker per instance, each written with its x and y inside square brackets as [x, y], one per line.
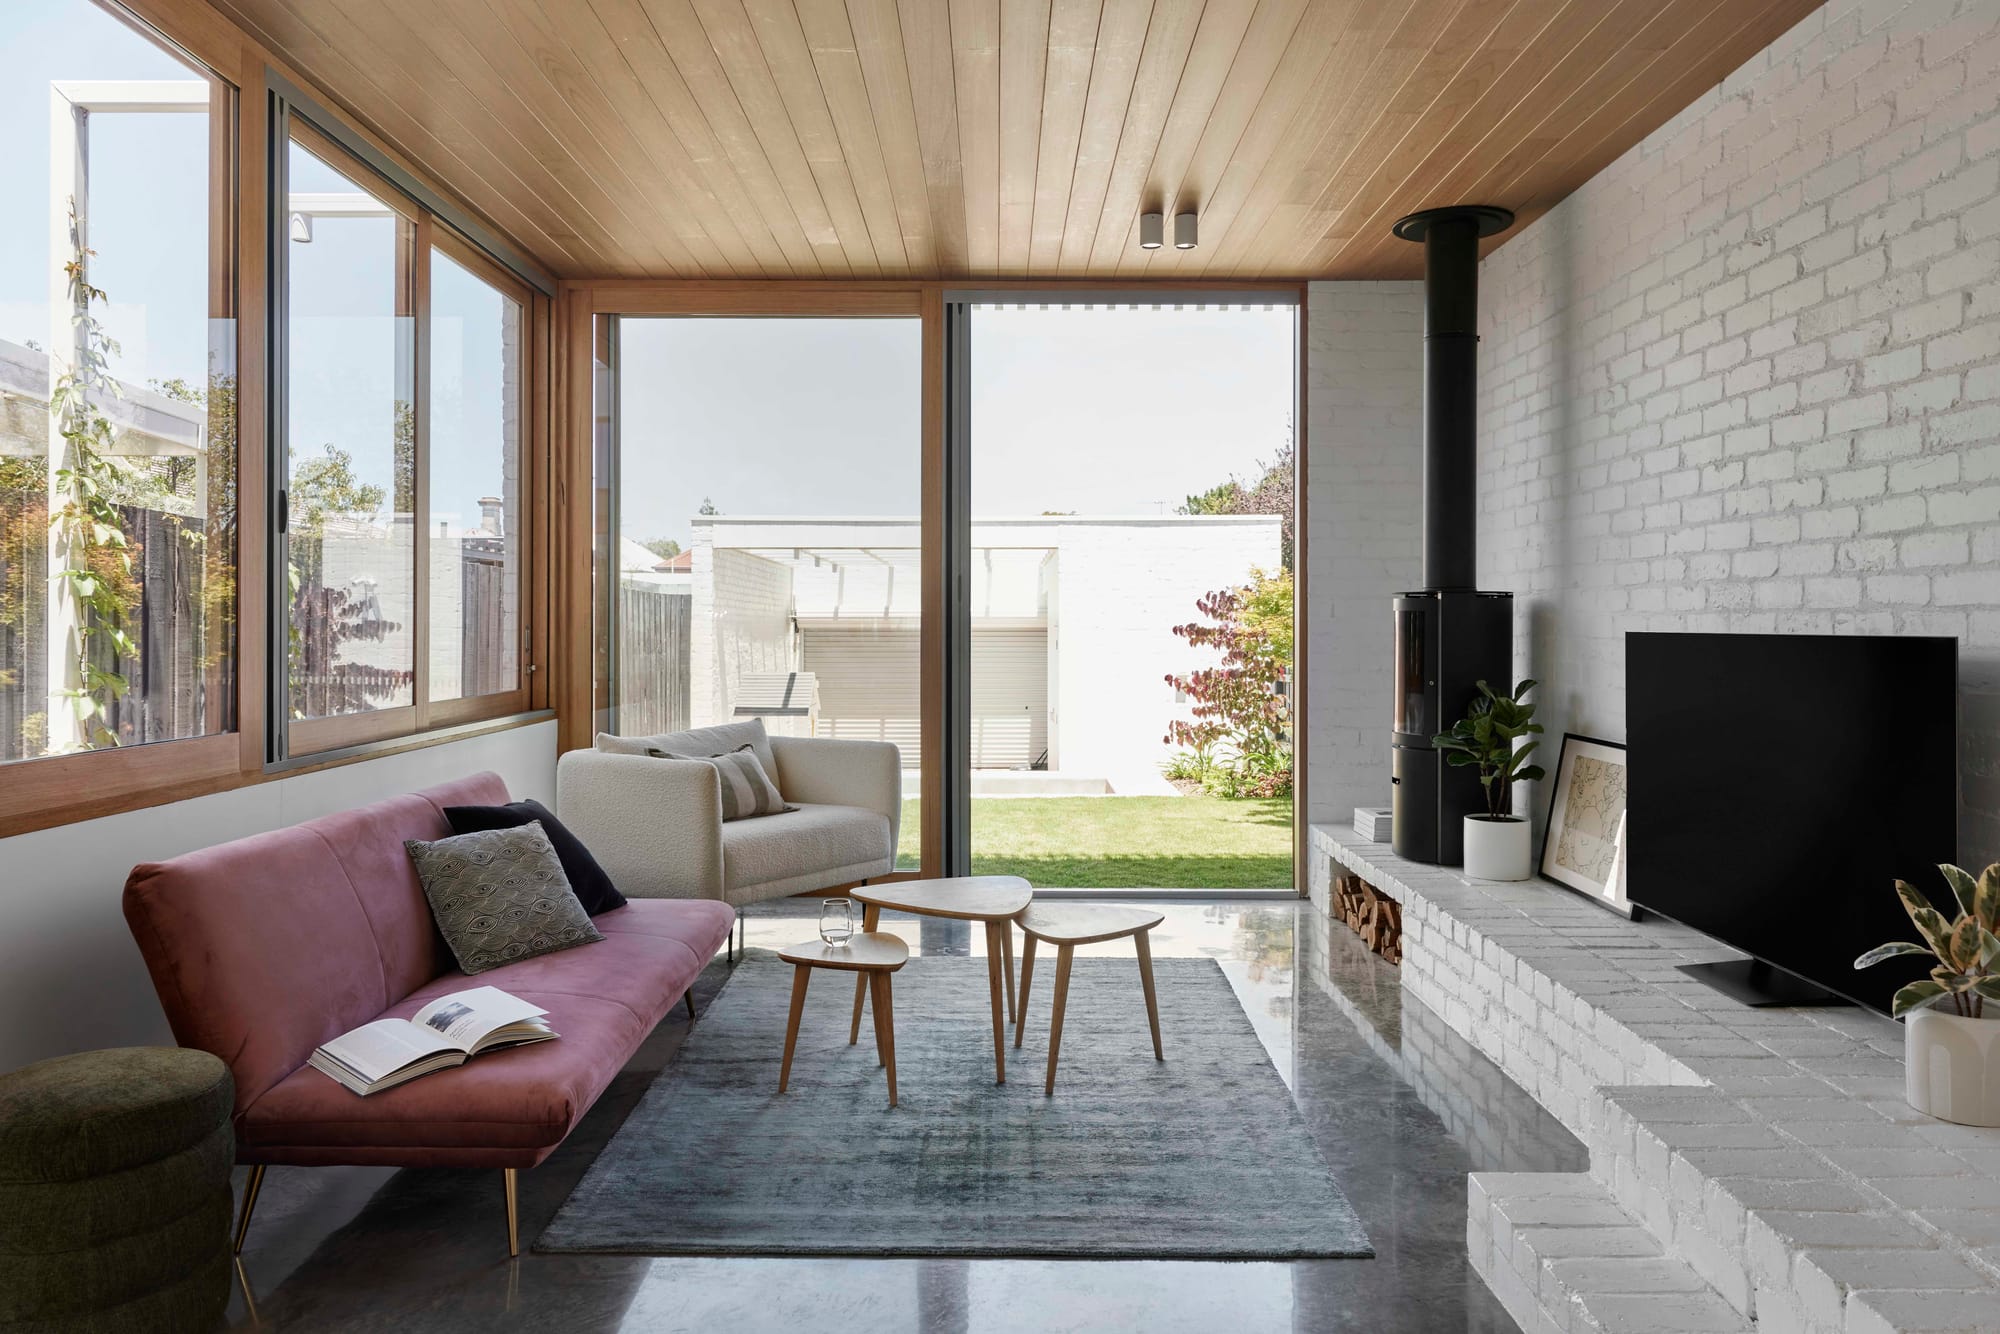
[264, 948]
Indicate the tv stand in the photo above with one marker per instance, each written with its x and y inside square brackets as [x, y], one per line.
[1754, 982]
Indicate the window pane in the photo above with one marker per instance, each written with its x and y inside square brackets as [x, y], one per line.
[768, 542]
[117, 392]
[475, 483]
[351, 395]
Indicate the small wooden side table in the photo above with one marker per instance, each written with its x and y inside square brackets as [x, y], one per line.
[1067, 925]
[873, 955]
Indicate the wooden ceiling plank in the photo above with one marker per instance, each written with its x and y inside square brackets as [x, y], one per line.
[1429, 111]
[1247, 191]
[1072, 49]
[1188, 167]
[885, 70]
[1381, 109]
[975, 70]
[509, 98]
[783, 42]
[1698, 61]
[409, 115]
[683, 154]
[927, 59]
[830, 38]
[1631, 36]
[1509, 74]
[1024, 59]
[1121, 42]
[1170, 40]
[714, 129]
[725, 64]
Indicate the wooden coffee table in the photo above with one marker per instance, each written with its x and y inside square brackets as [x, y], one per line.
[995, 900]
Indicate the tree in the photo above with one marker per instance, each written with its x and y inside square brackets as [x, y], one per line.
[324, 484]
[707, 507]
[1275, 492]
[663, 547]
[1238, 739]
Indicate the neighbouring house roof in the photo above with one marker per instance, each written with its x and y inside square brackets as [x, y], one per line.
[635, 559]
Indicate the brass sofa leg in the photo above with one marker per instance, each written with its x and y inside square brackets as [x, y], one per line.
[509, 1178]
[250, 1189]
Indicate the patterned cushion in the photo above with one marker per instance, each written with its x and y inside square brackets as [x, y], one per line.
[746, 789]
[500, 895]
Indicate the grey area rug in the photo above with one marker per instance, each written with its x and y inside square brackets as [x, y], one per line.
[1203, 1155]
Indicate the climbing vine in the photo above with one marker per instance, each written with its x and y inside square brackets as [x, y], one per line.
[94, 558]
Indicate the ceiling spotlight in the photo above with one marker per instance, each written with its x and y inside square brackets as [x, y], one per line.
[1152, 226]
[1184, 231]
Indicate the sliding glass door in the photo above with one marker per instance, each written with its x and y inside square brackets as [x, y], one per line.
[766, 532]
[1126, 620]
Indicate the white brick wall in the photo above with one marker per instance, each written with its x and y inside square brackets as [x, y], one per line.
[1364, 428]
[1748, 377]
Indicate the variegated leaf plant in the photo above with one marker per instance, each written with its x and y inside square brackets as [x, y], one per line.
[1967, 950]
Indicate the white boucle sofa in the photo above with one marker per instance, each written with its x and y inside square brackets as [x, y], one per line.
[656, 825]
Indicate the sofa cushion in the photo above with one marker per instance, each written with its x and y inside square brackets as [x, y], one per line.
[747, 790]
[810, 840]
[718, 740]
[500, 896]
[508, 1108]
[592, 887]
[264, 948]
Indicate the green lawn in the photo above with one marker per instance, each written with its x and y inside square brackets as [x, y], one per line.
[1126, 842]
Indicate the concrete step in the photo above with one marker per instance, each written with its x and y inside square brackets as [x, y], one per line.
[1564, 1258]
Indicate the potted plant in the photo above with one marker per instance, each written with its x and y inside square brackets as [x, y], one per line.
[1496, 843]
[1951, 1050]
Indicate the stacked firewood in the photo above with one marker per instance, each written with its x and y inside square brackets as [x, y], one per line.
[1371, 914]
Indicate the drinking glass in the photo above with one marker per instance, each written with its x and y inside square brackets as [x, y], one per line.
[836, 921]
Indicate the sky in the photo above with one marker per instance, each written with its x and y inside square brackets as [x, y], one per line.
[1086, 410]
[149, 176]
[148, 218]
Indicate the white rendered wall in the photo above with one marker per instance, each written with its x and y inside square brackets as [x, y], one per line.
[1747, 378]
[70, 976]
[1364, 454]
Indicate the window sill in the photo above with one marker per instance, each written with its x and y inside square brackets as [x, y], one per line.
[69, 789]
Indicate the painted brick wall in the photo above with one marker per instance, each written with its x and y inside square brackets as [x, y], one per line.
[1364, 475]
[1748, 377]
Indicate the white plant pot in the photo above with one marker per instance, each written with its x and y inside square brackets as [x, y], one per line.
[1497, 849]
[1952, 1067]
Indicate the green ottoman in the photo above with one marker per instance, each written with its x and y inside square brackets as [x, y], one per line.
[114, 1192]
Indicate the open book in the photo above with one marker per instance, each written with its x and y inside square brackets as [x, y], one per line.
[450, 1031]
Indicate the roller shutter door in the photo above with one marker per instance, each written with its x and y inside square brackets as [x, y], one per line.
[869, 689]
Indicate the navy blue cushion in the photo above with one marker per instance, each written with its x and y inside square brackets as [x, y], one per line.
[594, 889]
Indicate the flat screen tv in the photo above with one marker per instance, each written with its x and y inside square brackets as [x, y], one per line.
[1779, 786]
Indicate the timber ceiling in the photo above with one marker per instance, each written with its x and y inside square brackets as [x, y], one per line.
[1004, 138]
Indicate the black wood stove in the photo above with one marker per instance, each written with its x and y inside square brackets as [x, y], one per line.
[1449, 635]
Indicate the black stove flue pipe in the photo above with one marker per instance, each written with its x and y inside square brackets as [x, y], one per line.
[1450, 238]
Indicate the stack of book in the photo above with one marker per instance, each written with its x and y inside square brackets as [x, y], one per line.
[1371, 825]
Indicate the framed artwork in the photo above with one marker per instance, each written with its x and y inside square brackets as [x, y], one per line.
[1583, 845]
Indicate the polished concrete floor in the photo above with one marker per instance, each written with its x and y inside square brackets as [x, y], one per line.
[1400, 1107]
